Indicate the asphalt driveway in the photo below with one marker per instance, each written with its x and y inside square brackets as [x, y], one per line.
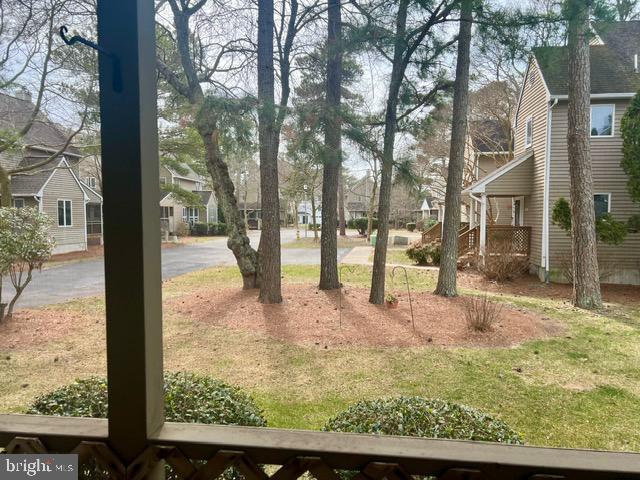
[86, 278]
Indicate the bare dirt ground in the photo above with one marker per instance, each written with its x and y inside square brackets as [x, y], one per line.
[312, 318]
[530, 286]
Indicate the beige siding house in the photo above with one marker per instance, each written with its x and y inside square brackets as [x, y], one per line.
[174, 215]
[539, 173]
[54, 188]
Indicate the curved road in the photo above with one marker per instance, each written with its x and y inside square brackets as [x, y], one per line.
[86, 278]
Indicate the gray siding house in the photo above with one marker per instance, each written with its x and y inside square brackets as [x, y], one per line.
[539, 173]
[75, 209]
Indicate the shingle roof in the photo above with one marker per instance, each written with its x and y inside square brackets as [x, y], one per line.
[16, 112]
[488, 135]
[205, 196]
[30, 183]
[611, 63]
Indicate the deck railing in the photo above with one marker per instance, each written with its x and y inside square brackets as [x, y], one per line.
[193, 451]
[468, 241]
[432, 234]
[502, 238]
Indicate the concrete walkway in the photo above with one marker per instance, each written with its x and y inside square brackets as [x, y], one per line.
[358, 256]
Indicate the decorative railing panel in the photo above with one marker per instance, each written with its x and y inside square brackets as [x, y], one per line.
[468, 241]
[433, 234]
[506, 238]
[193, 451]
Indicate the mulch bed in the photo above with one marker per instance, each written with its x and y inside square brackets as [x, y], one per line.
[531, 286]
[312, 318]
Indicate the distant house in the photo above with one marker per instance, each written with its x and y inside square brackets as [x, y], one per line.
[429, 209]
[539, 173]
[173, 213]
[75, 209]
[358, 196]
[489, 146]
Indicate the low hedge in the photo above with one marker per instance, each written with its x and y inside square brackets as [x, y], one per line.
[361, 224]
[422, 417]
[411, 226]
[208, 229]
[425, 254]
[189, 398]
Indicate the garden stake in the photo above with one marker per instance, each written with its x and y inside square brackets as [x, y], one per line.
[406, 277]
[350, 270]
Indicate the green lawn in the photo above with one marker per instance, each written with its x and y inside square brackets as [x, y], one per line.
[581, 389]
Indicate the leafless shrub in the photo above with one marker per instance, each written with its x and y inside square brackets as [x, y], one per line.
[480, 313]
[501, 263]
[565, 265]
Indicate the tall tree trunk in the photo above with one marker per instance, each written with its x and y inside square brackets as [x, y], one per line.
[372, 207]
[269, 249]
[206, 124]
[237, 241]
[5, 188]
[341, 220]
[376, 295]
[332, 153]
[586, 284]
[449, 260]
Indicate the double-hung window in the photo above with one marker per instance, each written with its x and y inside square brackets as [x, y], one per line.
[64, 213]
[528, 141]
[602, 120]
[18, 202]
[602, 203]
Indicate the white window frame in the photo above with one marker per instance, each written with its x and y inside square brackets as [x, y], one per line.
[16, 200]
[613, 119]
[91, 181]
[528, 142]
[163, 180]
[64, 209]
[608, 200]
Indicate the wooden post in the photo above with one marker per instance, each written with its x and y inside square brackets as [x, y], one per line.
[130, 173]
[483, 224]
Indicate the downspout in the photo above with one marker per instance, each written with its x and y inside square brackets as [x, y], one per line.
[547, 180]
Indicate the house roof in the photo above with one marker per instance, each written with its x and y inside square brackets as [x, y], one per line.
[250, 206]
[356, 207]
[612, 67]
[92, 195]
[30, 183]
[480, 186]
[489, 135]
[428, 204]
[44, 134]
[205, 196]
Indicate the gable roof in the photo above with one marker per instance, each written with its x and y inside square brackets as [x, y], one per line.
[205, 196]
[612, 67]
[479, 186]
[44, 134]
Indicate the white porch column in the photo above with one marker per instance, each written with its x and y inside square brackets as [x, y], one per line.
[472, 214]
[483, 223]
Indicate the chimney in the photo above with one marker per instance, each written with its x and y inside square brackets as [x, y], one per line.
[23, 94]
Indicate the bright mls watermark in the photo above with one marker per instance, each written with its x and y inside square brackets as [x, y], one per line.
[36, 466]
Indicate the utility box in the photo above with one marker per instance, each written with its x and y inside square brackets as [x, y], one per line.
[373, 238]
[399, 240]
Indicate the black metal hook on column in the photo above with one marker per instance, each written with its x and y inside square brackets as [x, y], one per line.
[117, 74]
